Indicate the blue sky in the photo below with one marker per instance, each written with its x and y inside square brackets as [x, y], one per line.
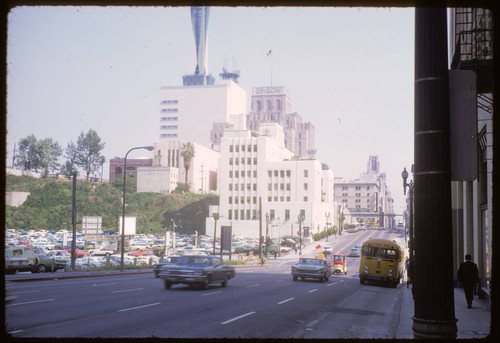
[349, 71]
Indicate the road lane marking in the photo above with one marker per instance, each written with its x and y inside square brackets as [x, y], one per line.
[137, 307]
[128, 290]
[313, 290]
[256, 285]
[25, 292]
[236, 318]
[285, 301]
[331, 284]
[211, 293]
[104, 284]
[31, 302]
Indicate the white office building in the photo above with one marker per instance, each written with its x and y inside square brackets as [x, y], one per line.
[255, 167]
[189, 112]
[367, 197]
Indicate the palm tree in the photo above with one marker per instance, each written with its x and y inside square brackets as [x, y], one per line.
[187, 153]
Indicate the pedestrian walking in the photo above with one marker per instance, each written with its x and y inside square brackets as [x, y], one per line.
[469, 276]
[296, 247]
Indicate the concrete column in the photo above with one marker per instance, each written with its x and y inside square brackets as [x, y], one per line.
[433, 285]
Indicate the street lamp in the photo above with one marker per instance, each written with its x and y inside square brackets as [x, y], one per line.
[122, 250]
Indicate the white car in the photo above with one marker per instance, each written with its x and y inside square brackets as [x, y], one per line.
[327, 249]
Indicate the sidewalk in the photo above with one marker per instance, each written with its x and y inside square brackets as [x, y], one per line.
[472, 323]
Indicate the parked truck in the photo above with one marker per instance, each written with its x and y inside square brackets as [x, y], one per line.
[23, 259]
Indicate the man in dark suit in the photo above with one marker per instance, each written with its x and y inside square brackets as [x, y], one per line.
[469, 275]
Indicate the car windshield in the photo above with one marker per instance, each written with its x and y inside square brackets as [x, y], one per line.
[200, 260]
[313, 261]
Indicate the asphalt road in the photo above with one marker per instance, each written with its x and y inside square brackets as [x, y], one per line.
[257, 303]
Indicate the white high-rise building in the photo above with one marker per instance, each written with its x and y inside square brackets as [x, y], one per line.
[256, 167]
[189, 112]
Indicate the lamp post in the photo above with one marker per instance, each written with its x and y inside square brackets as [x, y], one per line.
[122, 250]
[300, 219]
[404, 175]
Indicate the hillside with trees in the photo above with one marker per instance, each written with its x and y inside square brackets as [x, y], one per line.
[49, 206]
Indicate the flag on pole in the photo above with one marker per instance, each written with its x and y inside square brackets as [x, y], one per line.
[268, 53]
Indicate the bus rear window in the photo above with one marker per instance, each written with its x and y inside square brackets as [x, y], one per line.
[376, 252]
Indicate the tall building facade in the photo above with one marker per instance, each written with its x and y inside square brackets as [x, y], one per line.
[367, 197]
[273, 104]
[188, 113]
[471, 48]
[256, 169]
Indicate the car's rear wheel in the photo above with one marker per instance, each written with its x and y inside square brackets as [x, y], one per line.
[167, 284]
[41, 268]
[294, 278]
[224, 282]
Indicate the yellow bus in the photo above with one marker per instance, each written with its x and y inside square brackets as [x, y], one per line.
[352, 228]
[381, 260]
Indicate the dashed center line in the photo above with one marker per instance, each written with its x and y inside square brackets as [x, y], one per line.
[137, 307]
[211, 293]
[285, 301]
[236, 318]
[31, 302]
[128, 290]
[313, 290]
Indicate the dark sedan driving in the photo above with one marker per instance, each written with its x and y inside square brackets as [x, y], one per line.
[200, 270]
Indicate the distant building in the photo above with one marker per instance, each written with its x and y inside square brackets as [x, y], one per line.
[273, 104]
[257, 167]
[168, 169]
[116, 166]
[367, 197]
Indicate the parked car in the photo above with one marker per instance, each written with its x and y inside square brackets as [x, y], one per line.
[22, 258]
[355, 252]
[197, 270]
[166, 261]
[314, 268]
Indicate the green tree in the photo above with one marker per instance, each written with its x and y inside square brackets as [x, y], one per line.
[28, 157]
[69, 167]
[50, 152]
[187, 153]
[88, 152]
[38, 155]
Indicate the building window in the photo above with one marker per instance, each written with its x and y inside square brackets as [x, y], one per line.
[230, 200]
[305, 199]
[230, 174]
[230, 214]
[230, 161]
[271, 214]
[306, 173]
[259, 106]
[305, 186]
[287, 215]
[235, 214]
[288, 173]
[230, 148]
[255, 148]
